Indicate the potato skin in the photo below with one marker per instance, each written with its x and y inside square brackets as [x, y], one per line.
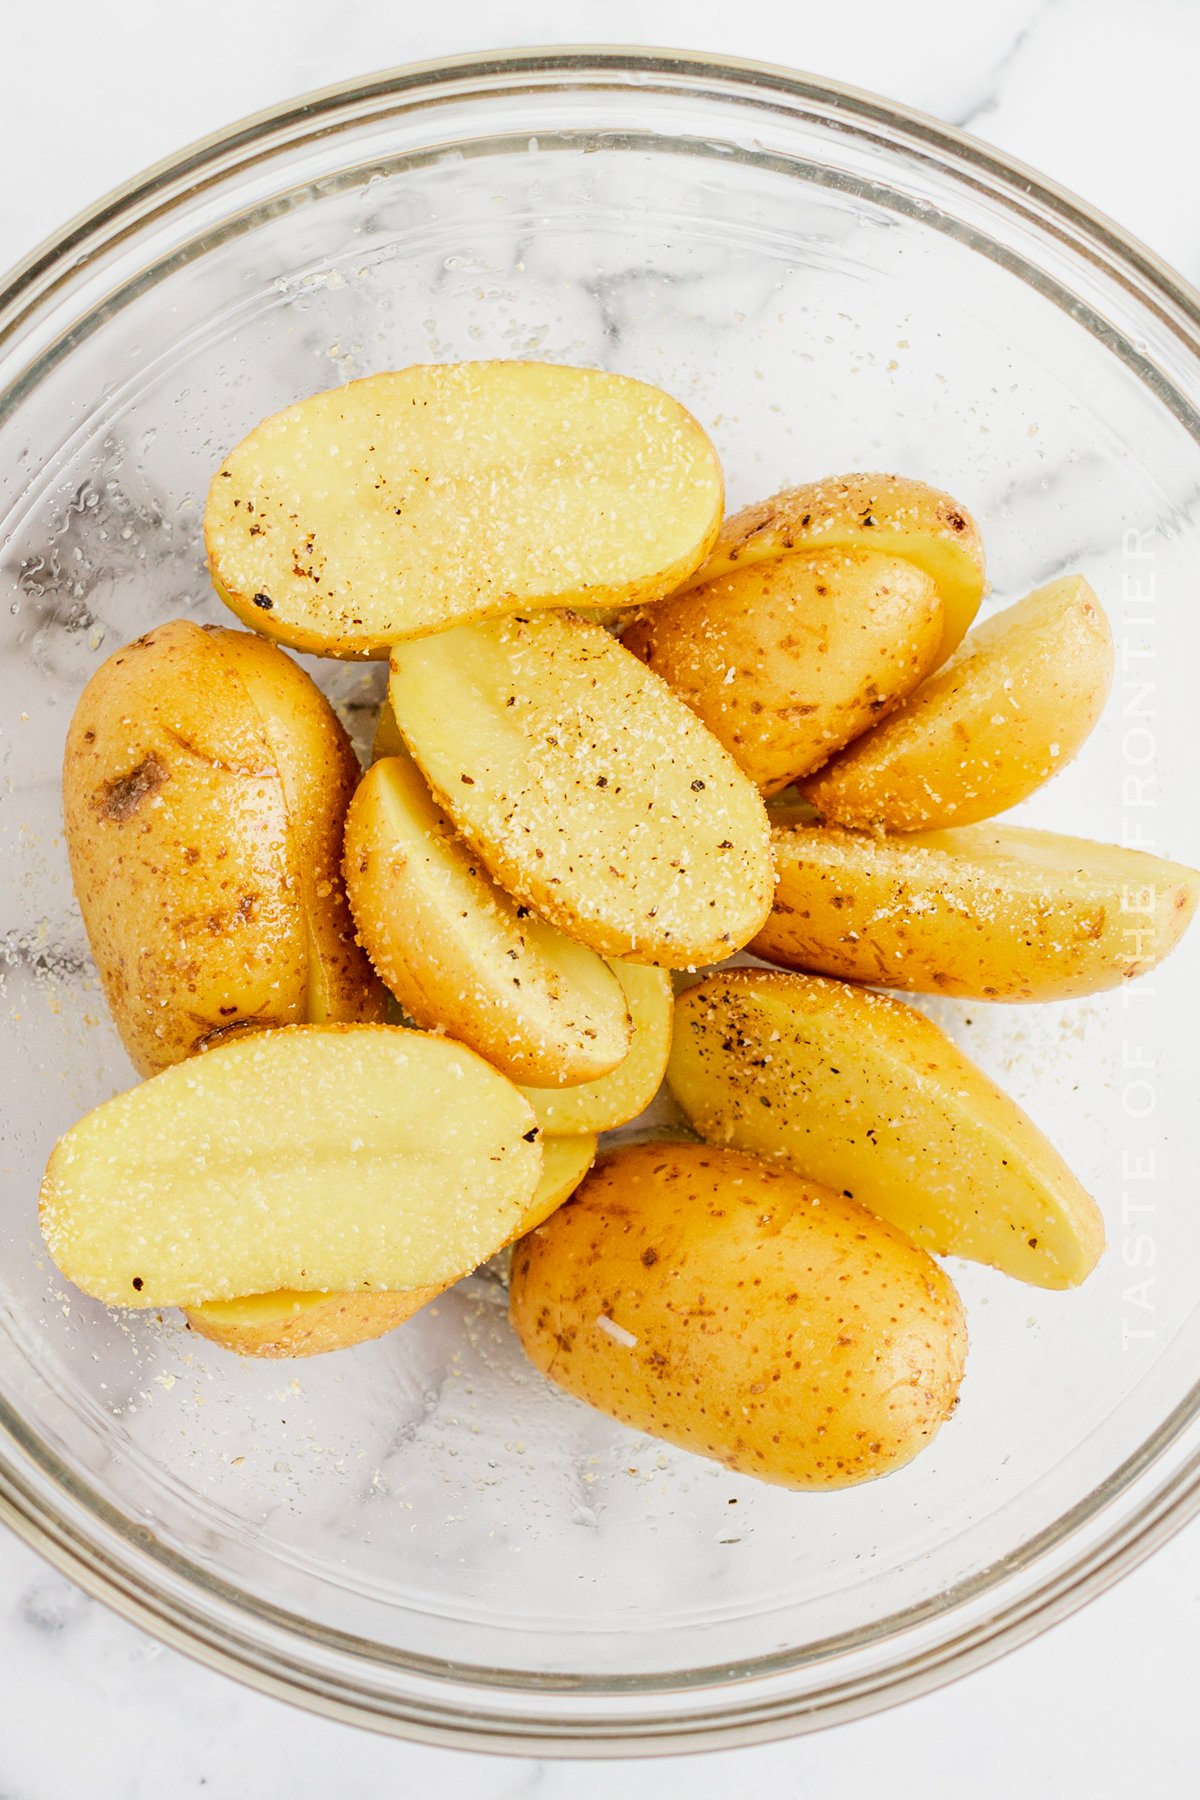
[292, 1323]
[177, 831]
[775, 1326]
[981, 913]
[319, 772]
[786, 661]
[1009, 711]
[892, 514]
[412, 500]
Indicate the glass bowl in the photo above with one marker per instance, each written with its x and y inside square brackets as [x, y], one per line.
[421, 1535]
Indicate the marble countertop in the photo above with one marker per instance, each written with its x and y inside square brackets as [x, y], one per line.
[1095, 93]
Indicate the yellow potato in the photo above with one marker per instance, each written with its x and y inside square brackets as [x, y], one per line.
[459, 954]
[862, 1092]
[200, 827]
[615, 1099]
[408, 502]
[984, 912]
[980, 735]
[294, 1323]
[738, 1310]
[320, 772]
[885, 513]
[591, 792]
[387, 740]
[335, 1157]
[786, 661]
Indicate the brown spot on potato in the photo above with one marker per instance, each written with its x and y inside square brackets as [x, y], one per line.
[120, 798]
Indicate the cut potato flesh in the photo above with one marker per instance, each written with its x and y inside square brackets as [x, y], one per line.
[616, 1098]
[592, 793]
[786, 661]
[984, 912]
[335, 1157]
[867, 1095]
[407, 502]
[459, 954]
[979, 736]
[319, 772]
[293, 1323]
[886, 513]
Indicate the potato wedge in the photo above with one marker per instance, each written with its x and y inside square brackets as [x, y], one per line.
[186, 870]
[590, 791]
[387, 740]
[615, 1099]
[786, 661]
[319, 772]
[336, 1157]
[459, 954]
[982, 734]
[866, 1094]
[738, 1310]
[294, 1323]
[985, 912]
[886, 513]
[411, 501]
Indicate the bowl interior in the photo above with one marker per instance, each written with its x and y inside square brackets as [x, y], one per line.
[429, 1497]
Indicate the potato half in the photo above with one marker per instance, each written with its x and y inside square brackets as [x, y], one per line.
[203, 785]
[743, 1312]
[335, 1157]
[410, 501]
[616, 1098]
[887, 513]
[786, 661]
[460, 954]
[861, 1092]
[1009, 711]
[985, 912]
[591, 792]
[293, 1323]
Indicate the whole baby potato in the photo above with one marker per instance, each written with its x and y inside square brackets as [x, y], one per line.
[204, 781]
[739, 1310]
[787, 660]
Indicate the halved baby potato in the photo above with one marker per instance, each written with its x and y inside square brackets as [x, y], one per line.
[786, 661]
[460, 954]
[887, 513]
[620, 1096]
[334, 1157]
[204, 782]
[590, 791]
[737, 1309]
[410, 501]
[1009, 711]
[294, 1323]
[867, 1095]
[984, 912]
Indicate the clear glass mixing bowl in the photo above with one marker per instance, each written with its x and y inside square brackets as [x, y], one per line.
[422, 1535]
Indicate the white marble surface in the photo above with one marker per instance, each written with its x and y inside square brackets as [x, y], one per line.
[1095, 92]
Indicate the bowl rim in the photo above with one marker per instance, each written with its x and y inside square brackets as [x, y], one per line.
[1161, 1512]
